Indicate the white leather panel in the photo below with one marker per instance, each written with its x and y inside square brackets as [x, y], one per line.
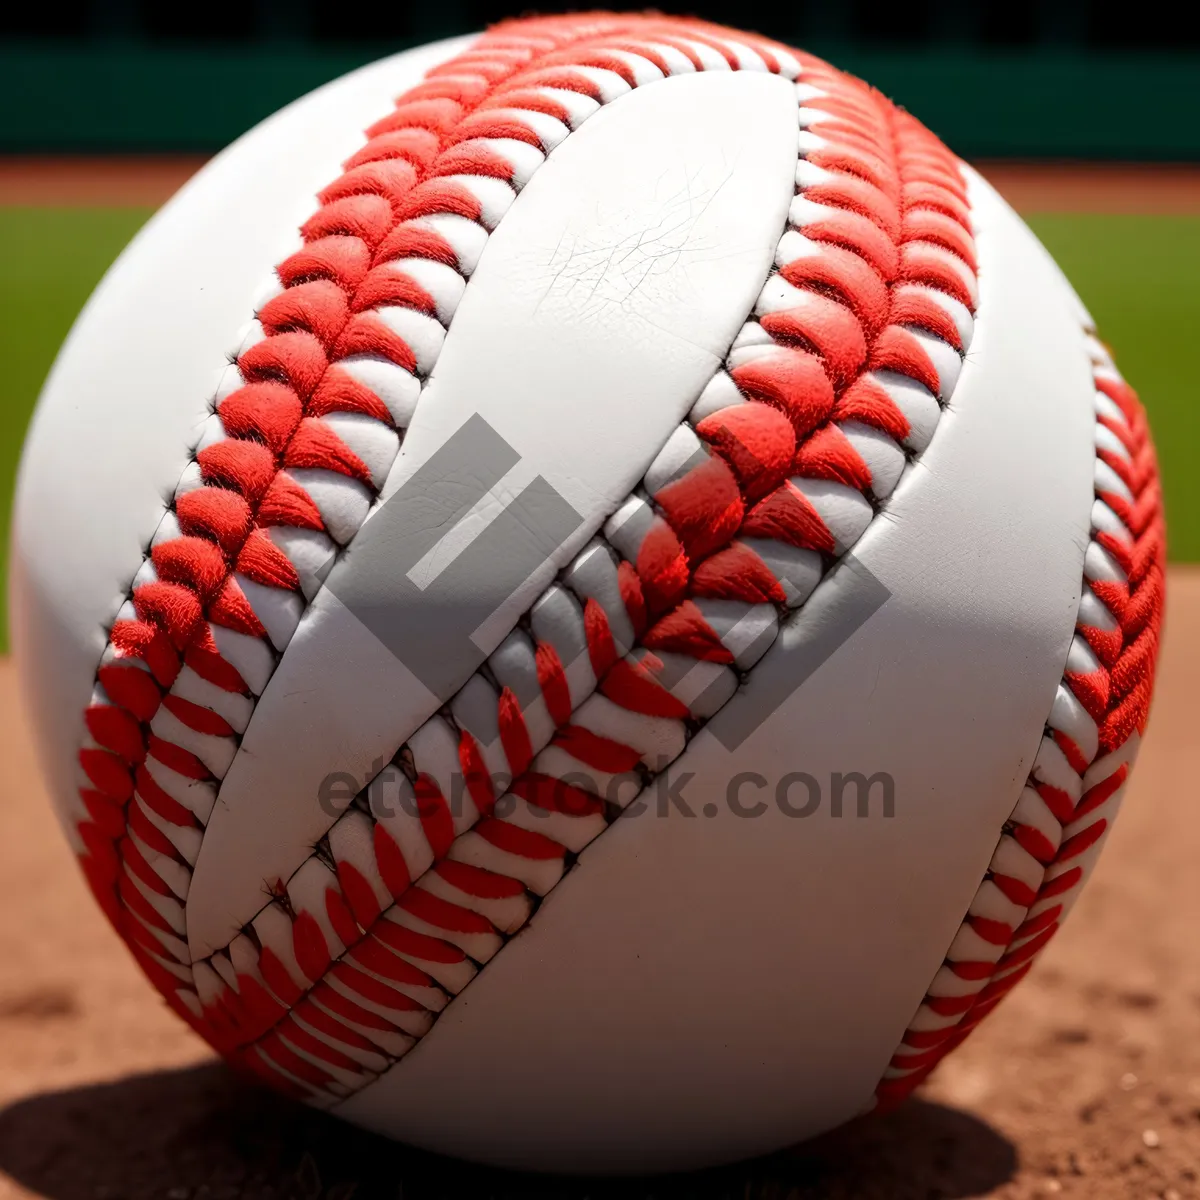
[601, 306]
[127, 397]
[708, 988]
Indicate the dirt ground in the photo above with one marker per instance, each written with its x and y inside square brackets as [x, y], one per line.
[1085, 1083]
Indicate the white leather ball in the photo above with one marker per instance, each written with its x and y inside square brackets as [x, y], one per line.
[600, 623]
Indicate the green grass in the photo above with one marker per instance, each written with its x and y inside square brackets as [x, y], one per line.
[50, 259]
[1139, 275]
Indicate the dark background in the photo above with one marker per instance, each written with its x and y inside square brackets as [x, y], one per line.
[1089, 79]
[1022, 24]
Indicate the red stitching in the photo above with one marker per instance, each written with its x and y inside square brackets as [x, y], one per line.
[894, 215]
[1116, 695]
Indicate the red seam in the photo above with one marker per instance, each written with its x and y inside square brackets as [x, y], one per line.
[292, 375]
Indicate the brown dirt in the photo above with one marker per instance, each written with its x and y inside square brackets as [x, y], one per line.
[1029, 187]
[1085, 1083]
[86, 181]
[1157, 188]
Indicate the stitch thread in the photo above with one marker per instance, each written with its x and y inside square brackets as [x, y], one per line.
[350, 962]
[1054, 835]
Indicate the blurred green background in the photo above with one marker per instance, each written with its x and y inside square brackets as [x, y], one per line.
[1018, 79]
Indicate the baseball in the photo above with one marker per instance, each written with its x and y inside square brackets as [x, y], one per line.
[588, 595]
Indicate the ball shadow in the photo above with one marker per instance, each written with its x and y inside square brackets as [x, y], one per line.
[203, 1134]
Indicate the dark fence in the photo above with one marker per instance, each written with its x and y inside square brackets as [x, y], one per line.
[1000, 78]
